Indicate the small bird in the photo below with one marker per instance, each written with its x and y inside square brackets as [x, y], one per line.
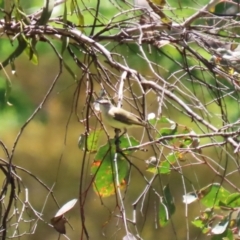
[117, 117]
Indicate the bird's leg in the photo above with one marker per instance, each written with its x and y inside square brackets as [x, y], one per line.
[117, 137]
[117, 140]
[125, 130]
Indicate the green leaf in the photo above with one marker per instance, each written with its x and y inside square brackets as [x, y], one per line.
[163, 215]
[105, 173]
[202, 222]
[47, 12]
[75, 8]
[173, 157]
[92, 140]
[198, 223]
[167, 207]
[164, 166]
[126, 142]
[32, 54]
[232, 201]
[211, 195]
[155, 121]
[104, 169]
[168, 131]
[21, 16]
[222, 7]
[20, 48]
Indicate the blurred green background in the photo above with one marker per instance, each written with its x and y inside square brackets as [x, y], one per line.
[48, 147]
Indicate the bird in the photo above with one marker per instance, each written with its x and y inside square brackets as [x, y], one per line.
[118, 118]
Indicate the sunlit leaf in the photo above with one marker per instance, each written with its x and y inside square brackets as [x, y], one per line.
[105, 173]
[104, 183]
[221, 226]
[190, 198]
[32, 54]
[75, 9]
[66, 207]
[168, 131]
[163, 215]
[172, 157]
[232, 201]
[58, 221]
[212, 194]
[164, 166]
[198, 223]
[202, 221]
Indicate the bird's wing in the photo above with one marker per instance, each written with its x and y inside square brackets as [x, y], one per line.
[125, 117]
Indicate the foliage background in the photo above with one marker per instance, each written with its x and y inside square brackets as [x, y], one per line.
[48, 147]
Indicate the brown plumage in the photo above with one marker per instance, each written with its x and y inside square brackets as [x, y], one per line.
[118, 117]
